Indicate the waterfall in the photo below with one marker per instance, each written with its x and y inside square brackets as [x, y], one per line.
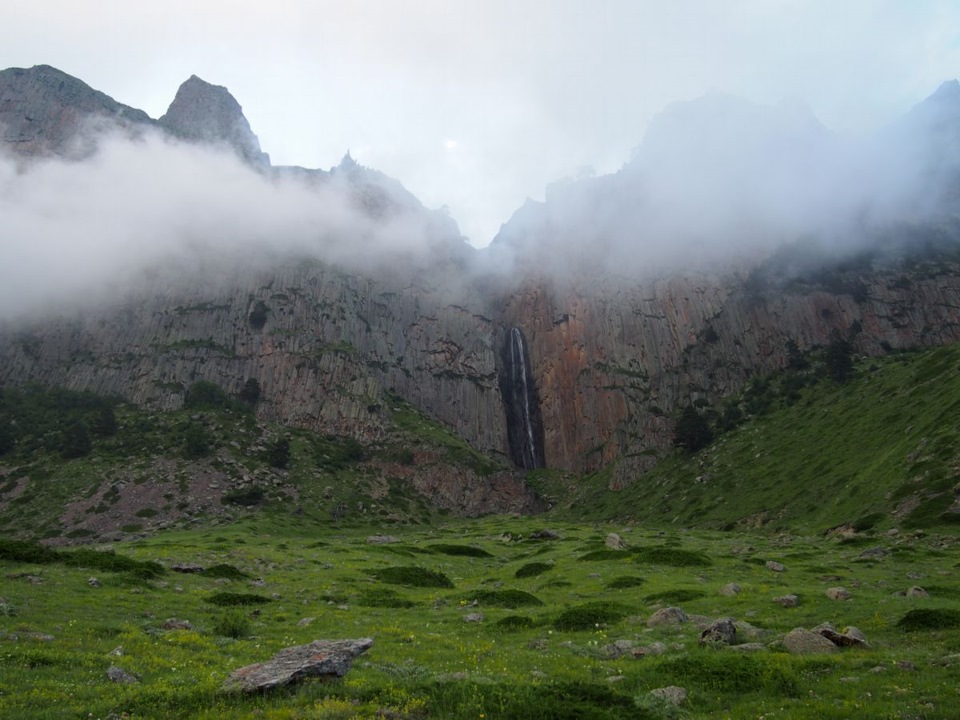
[524, 427]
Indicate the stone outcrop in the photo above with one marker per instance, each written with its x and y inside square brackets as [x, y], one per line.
[209, 114]
[331, 658]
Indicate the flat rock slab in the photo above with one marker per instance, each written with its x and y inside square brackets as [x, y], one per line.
[293, 664]
[804, 642]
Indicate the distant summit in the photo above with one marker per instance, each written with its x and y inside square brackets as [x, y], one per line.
[44, 111]
[202, 112]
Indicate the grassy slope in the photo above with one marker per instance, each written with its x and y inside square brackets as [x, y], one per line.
[159, 485]
[883, 450]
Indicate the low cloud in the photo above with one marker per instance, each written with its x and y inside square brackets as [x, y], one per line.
[721, 180]
[84, 231]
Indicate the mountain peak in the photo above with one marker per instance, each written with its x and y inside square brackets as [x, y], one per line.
[45, 111]
[204, 112]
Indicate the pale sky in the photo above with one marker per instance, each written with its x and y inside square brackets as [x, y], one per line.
[479, 104]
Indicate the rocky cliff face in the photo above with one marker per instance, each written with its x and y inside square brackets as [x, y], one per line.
[609, 358]
[44, 111]
[614, 362]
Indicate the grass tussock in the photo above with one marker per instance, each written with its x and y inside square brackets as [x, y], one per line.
[412, 576]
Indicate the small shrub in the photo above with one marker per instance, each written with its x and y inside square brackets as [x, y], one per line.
[605, 554]
[228, 572]
[24, 551]
[146, 513]
[197, 441]
[228, 599]
[75, 442]
[250, 393]
[590, 615]
[204, 395]
[278, 453]
[930, 619]
[513, 623]
[7, 608]
[532, 570]
[383, 598]
[461, 550]
[412, 576]
[108, 561]
[674, 557]
[507, 598]
[247, 497]
[625, 581]
[233, 624]
[258, 315]
[675, 596]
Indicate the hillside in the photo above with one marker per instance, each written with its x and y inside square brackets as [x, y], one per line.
[879, 451]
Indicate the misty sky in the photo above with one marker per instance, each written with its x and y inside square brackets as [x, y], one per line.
[478, 104]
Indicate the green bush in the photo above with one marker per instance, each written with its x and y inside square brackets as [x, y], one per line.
[625, 581]
[197, 441]
[250, 393]
[507, 598]
[930, 619]
[108, 561]
[258, 315]
[247, 497]
[461, 550]
[75, 441]
[412, 576]
[532, 570]
[228, 599]
[25, 551]
[692, 431]
[228, 572]
[675, 596]
[674, 557]
[278, 453]
[589, 616]
[604, 554]
[514, 623]
[232, 624]
[205, 395]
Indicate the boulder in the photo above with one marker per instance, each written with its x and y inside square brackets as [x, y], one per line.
[804, 642]
[672, 694]
[719, 631]
[117, 675]
[667, 616]
[917, 592]
[775, 566]
[787, 601]
[615, 542]
[730, 589]
[293, 664]
[187, 568]
[473, 617]
[381, 540]
[838, 593]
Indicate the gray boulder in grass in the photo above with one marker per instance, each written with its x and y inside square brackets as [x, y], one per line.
[293, 664]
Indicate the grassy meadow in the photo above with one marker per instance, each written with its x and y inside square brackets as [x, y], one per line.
[563, 633]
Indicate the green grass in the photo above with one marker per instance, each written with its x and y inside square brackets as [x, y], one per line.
[549, 659]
